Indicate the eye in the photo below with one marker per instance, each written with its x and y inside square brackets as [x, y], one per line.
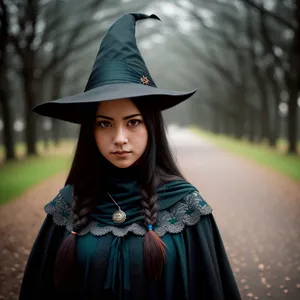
[134, 122]
[103, 124]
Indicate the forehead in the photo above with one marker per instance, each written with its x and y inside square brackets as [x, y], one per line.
[117, 107]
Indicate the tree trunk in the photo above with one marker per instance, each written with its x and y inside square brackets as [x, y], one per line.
[274, 131]
[294, 85]
[251, 133]
[30, 118]
[4, 87]
[265, 114]
[232, 125]
[273, 138]
[239, 127]
[55, 132]
[292, 121]
[46, 140]
[7, 120]
[274, 117]
[57, 82]
[239, 122]
[263, 97]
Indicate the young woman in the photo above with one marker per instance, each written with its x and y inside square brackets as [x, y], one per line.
[126, 225]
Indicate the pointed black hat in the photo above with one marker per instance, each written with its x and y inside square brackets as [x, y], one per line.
[119, 72]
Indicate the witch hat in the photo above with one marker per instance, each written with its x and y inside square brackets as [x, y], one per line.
[119, 72]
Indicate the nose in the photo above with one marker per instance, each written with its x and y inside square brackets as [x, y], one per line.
[120, 137]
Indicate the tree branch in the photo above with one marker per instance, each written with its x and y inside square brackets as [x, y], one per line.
[270, 14]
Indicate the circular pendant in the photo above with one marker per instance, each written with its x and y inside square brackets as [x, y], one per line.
[119, 216]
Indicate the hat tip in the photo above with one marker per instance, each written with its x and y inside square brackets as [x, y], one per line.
[140, 16]
[153, 16]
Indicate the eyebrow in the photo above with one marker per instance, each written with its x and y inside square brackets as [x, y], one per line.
[125, 118]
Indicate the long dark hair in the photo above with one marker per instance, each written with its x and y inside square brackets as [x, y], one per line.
[158, 167]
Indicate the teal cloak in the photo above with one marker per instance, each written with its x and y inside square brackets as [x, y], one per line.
[110, 257]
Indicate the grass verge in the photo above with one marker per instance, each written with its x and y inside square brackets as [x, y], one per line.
[286, 164]
[17, 176]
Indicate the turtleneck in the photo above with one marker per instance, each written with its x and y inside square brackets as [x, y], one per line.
[113, 171]
[121, 180]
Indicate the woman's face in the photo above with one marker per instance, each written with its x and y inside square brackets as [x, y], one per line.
[120, 132]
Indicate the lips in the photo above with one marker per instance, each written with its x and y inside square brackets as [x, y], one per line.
[121, 152]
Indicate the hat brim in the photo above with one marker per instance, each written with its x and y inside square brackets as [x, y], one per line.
[72, 108]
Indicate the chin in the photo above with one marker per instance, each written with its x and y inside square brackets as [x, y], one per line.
[122, 164]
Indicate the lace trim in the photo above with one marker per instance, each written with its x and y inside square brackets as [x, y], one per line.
[186, 212]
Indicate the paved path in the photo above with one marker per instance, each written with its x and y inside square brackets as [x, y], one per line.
[258, 213]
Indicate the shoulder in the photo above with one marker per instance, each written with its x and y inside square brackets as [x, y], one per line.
[60, 207]
[186, 212]
[64, 195]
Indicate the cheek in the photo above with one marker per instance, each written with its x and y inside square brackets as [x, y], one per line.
[141, 139]
[101, 141]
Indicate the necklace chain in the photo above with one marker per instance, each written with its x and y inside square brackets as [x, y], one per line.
[113, 200]
[118, 216]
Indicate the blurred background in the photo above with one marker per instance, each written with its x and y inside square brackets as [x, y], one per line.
[242, 55]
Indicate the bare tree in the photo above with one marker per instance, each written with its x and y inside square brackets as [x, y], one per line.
[285, 18]
[28, 46]
[247, 46]
[47, 33]
[224, 47]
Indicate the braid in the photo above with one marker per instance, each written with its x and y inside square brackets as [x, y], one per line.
[154, 247]
[66, 270]
[150, 209]
[81, 209]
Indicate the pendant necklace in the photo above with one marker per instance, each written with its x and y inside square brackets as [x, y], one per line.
[118, 216]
